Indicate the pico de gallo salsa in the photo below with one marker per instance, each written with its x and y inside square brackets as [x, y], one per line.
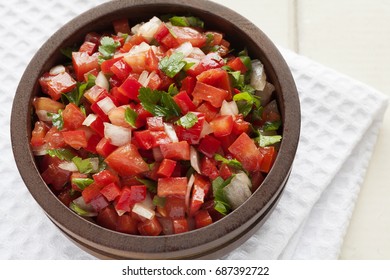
[159, 128]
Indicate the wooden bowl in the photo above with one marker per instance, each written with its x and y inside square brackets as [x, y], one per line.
[209, 242]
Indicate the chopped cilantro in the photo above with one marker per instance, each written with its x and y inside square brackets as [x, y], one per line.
[173, 90]
[245, 102]
[268, 140]
[83, 165]
[150, 185]
[221, 203]
[62, 154]
[188, 121]
[159, 201]
[231, 162]
[68, 51]
[107, 47]
[82, 183]
[131, 116]
[57, 119]
[173, 64]
[186, 21]
[269, 126]
[78, 92]
[159, 103]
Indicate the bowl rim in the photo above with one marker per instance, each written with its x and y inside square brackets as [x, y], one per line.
[192, 243]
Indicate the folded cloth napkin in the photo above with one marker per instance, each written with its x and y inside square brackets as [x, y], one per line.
[340, 121]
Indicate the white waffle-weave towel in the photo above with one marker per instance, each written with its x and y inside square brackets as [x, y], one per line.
[340, 121]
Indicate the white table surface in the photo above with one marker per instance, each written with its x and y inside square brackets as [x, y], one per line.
[352, 37]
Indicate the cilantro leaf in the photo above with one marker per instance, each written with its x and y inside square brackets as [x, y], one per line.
[159, 201]
[159, 103]
[269, 140]
[150, 185]
[131, 116]
[231, 162]
[83, 165]
[173, 90]
[186, 21]
[78, 92]
[82, 183]
[57, 119]
[173, 64]
[245, 102]
[221, 203]
[68, 51]
[62, 154]
[188, 121]
[269, 126]
[107, 47]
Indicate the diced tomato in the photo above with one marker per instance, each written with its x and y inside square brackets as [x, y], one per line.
[218, 78]
[222, 125]
[271, 112]
[77, 175]
[127, 224]
[104, 147]
[155, 123]
[56, 85]
[226, 141]
[73, 117]
[210, 61]
[83, 63]
[169, 41]
[91, 192]
[256, 178]
[269, 156]
[217, 38]
[210, 94]
[108, 218]
[188, 84]
[240, 125]
[166, 168]
[150, 227]
[95, 94]
[188, 34]
[56, 177]
[122, 26]
[161, 32]
[127, 161]
[107, 64]
[130, 196]
[93, 37]
[47, 104]
[121, 69]
[98, 111]
[105, 177]
[184, 102]
[38, 134]
[237, 65]
[154, 81]
[192, 134]
[99, 203]
[208, 168]
[98, 126]
[93, 140]
[117, 116]
[121, 99]
[75, 138]
[142, 114]
[209, 145]
[137, 61]
[144, 139]
[200, 189]
[176, 186]
[175, 207]
[54, 138]
[176, 151]
[180, 225]
[88, 47]
[202, 219]
[65, 197]
[151, 61]
[130, 88]
[208, 110]
[246, 152]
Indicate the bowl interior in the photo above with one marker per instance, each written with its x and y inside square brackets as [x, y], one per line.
[237, 225]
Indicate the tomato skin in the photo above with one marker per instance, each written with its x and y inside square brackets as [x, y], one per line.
[200, 190]
[162, 31]
[192, 134]
[210, 61]
[83, 63]
[209, 146]
[208, 168]
[269, 156]
[208, 110]
[95, 94]
[202, 219]
[188, 34]
[56, 85]
[240, 126]
[180, 226]
[218, 78]
[73, 117]
[176, 151]
[56, 177]
[127, 224]
[184, 102]
[166, 168]
[75, 138]
[151, 61]
[38, 134]
[173, 186]
[47, 104]
[105, 177]
[150, 227]
[130, 196]
[222, 125]
[215, 96]
[130, 88]
[91, 192]
[88, 47]
[224, 171]
[107, 218]
[104, 147]
[245, 151]
[127, 161]
[144, 139]
[175, 207]
[54, 138]
[237, 65]
[121, 69]
[107, 64]
[155, 123]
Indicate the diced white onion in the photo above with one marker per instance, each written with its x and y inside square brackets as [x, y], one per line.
[68, 166]
[238, 190]
[106, 105]
[194, 159]
[197, 53]
[170, 131]
[89, 119]
[135, 28]
[95, 164]
[101, 80]
[141, 48]
[229, 108]
[144, 78]
[188, 192]
[185, 48]
[206, 129]
[157, 154]
[258, 77]
[148, 29]
[193, 61]
[117, 135]
[58, 69]
[42, 115]
[88, 210]
[143, 211]
[40, 150]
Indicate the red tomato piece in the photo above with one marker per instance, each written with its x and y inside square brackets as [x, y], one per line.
[176, 186]
[155, 123]
[192, 134]
[151, 61]
[222, 125]
[56, 85]
[169, 41]
[218, 78]
[130, 88]
[121, 69]
[92, 37]
[180, 225]
[133, 41]
[208, 168]
[208, 110]
[121, 99]
[154, 81]
[175, 207]
[210, 61]
[95, 94]
[77, 175]
[166, 168]
[240, 126]
[150, 227]
[144, 139]
[105, 177]
[127, 161]
[200, 189]
[38, 134]
[210, 94]
[107, 218]
[73, 117]
[161, 32]
[83, 63]
[75, 138]
[107, 64]
[256, 178]
[55, 177]
[104, 147]
[93, 140]
[226, 141]
[237, 65]
[127, 224]
[188, 34]
[176, 151]
[47, 104]
[188, 84]
[91, 192]
[224, 171]
[246, 152]
[202, 219]
[269, 156]
[98, 126]
[184, 102]
[209, 145]
[136, 61]
[88, 47]
[122, 26]
[217, 38]
[54, 138]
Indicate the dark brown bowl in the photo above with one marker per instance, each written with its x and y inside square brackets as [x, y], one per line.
[209, 242]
